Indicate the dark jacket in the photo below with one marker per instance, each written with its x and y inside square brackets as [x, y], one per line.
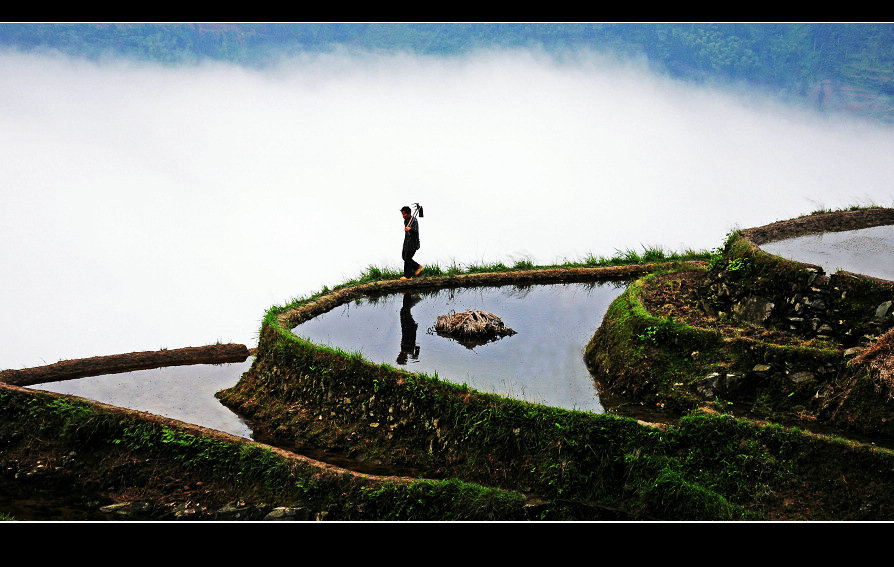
[411, 237]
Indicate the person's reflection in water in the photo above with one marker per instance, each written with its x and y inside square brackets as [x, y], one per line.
[408, 326]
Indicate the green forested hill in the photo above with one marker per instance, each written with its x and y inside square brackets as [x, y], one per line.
[815, 60]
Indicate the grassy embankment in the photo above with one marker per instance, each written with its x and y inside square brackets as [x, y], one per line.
[123, 455]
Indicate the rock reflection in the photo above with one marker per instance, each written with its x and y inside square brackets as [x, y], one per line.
[471, 328]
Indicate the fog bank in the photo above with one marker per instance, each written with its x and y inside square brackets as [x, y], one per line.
[145, 206]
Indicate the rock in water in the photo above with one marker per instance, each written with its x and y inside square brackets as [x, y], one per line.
[472, 328]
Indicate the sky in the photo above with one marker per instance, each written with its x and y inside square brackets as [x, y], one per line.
[145, 206]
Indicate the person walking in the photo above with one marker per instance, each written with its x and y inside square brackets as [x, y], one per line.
[411, 244]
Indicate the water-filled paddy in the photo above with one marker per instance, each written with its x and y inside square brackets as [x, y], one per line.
[179, 392]
[868, 251]
[543, 362]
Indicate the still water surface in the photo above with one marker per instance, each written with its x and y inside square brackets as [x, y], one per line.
[185, 393]
[868, 251]
[542, 363]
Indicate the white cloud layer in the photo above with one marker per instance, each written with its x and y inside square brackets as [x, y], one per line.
[145, 206]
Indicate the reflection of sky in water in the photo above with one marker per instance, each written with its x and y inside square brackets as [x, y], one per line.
[868, 251]
[185, 393]
[542, 363]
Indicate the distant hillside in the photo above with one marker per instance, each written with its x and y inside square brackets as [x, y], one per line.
[835, 66]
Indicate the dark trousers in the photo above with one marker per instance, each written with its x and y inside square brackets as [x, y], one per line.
[410, 265]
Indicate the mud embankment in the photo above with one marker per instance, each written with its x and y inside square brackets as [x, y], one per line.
[836, 221]
[129, 362]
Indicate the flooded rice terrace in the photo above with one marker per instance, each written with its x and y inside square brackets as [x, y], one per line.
[542, 363]
[868, 251]
[185, 393]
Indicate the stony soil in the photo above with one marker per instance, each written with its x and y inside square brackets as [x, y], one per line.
[676, 295]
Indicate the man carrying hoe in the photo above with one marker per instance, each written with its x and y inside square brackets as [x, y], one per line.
[411, 244]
